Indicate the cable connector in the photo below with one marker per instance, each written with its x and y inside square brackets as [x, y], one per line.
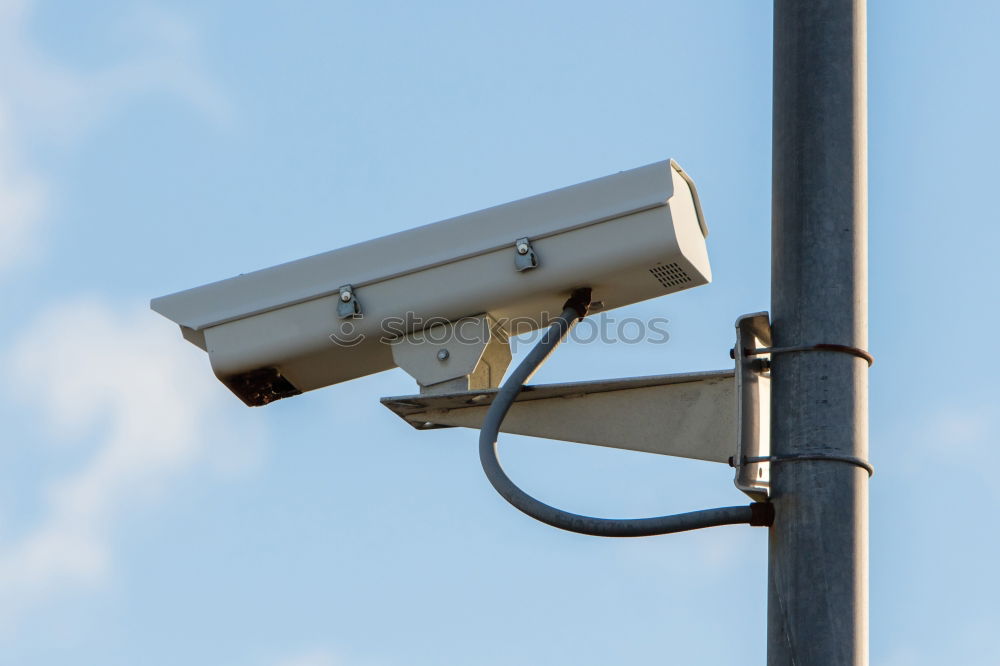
[579, 300]
[761, 514]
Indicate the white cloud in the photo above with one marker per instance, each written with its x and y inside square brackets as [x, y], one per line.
[127, 379]
[964, 429]
[22, 200]
[43, 99]
[957, 436]
[161, 55]
[169, 63]
[157, 412]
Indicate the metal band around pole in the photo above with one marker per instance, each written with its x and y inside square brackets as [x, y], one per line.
[863, 464]
[822, 346]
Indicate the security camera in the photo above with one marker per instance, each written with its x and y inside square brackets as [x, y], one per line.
[504, 270]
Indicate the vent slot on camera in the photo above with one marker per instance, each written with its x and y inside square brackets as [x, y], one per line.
[670, 275]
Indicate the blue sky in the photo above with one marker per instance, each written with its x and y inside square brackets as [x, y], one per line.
[147, 516]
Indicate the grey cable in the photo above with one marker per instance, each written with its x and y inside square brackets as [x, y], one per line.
[575, 309]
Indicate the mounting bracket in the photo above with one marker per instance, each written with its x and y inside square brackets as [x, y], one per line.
[753, 404]
[464, 355]
[719, 416]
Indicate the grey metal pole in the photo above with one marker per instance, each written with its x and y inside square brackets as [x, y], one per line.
[818, 548]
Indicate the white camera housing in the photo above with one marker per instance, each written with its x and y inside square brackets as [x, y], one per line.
[321, 320]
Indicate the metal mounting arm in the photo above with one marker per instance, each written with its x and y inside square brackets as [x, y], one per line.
[717, 416]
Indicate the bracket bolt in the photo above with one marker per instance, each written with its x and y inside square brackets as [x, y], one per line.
[522, 248]
[346, 296]
[443, 354]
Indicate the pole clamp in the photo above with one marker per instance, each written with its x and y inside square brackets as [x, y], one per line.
[822, 346]
[853, 460]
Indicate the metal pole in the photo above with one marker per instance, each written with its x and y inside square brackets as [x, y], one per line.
[818, 548]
